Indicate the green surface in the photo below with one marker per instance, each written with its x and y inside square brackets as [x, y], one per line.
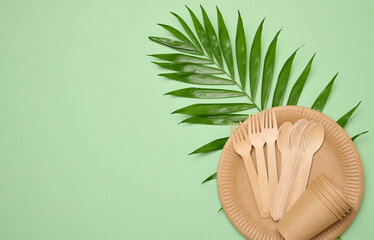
[88, 148]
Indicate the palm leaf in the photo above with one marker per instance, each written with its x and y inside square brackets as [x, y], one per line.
[189, 32]
[299, 85]
[210, 178]
[201, 33]
[189, 67]
[212, 36]
[177, 34]
[321, 100]
[214, 108]
[358, 135]
[222, 119]
[284, 74]
[255, 61]
[211, 146]
[220, 209]
[176, 45]
[241, 51]
[225, 43]
[344, 119]
[205, 93]
[181, 58]
[195, 78]
[267, 75]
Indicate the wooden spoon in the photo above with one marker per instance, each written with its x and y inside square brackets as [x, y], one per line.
[282, 193]
[313, 141]
[283, 141]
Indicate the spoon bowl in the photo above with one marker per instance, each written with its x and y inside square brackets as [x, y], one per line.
[314, 138]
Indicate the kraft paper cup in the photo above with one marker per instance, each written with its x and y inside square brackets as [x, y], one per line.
[332, 198]
[320, 206]
[328, 203]
[336, 193]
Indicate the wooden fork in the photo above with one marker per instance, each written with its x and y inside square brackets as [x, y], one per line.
[269, 131]
[255, 138]
[243, 147]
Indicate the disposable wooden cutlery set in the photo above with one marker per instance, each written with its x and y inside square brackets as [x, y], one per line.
[276, 193]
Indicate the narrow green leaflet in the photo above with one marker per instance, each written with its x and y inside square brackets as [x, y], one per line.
[225, 42]
[201, 33]
[215, 145]
[189, 67]
[223, 119]
[195, 78]
[357, 135]
[210, 178]
[189, 32]
[321, 100]
[299, 85]
[212, 36]
[205, 93]
[284, 74]
[220, 209]
[177, 34]
[214, 108]
[344, 119]
[255, 61]
[241, 51]
[267, 75]
[181, 58]
[176, 45]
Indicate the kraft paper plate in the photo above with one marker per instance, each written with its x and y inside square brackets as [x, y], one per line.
[338, 159]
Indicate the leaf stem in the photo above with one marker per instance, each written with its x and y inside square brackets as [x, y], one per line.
[237, 84]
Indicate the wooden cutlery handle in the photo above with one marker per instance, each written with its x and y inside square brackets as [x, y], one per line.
[253, 180]
[263, 179]
[272, 170]
[302, 178]
[283, 190]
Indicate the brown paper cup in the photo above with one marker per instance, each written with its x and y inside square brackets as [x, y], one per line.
[335, 192]
[321, 205]
[332, 199]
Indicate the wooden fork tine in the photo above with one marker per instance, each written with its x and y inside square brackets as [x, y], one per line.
[275, 125]
[232, 133]
[263, 121]
[269, 118]
[253, 126]
[249, 124]
[242, 131]
[257, 124]
[238, 132]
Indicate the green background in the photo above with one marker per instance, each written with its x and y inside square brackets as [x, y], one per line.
[88, 148]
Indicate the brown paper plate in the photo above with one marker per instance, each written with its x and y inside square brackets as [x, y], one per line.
[338, 159]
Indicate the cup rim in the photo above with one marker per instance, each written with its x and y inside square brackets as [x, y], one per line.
[329, 198]
[328, 190]
[336, 190]
[321, 198]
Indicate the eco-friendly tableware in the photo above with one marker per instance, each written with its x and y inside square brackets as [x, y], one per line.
[283, 142]
[285, 182]
[298, 147]
[269, 132]
[312, 142]
[337, 159]
[258, 142]
[313, 212]
[243, 147]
